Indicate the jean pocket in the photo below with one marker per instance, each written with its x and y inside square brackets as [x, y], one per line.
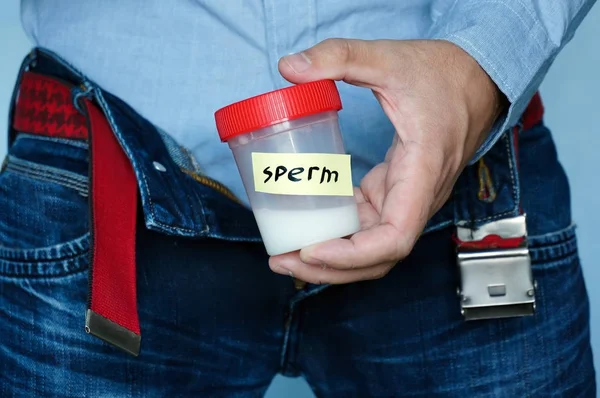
[43, 210]
[559, 358]
[554, 250]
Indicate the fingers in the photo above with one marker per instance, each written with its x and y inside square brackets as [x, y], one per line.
[372, 186]
[368, 216]
[381, 244]
[358, 62]
[291, 265]
[414, 181]
[406, 208]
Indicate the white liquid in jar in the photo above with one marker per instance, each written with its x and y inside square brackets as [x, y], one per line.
[284, 231]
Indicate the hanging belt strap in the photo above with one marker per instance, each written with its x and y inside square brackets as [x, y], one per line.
[493, 259]
[46, 106]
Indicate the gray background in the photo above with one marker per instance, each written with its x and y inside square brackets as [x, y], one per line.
[571, 98]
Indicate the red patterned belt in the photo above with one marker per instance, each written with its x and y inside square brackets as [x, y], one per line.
[45, 107]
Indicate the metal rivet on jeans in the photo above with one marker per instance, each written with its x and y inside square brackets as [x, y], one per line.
[159, 166]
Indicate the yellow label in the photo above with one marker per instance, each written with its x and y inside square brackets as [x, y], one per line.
[302, 173]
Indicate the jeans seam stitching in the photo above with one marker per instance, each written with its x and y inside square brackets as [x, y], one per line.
[44, 169]
[46, 176]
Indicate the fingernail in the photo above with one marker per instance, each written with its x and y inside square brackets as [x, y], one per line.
[305, 256]
[283, 271]
[298, 62]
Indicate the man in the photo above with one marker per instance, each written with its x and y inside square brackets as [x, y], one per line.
[379, 314]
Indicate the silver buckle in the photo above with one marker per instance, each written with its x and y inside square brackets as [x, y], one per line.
[496, 283]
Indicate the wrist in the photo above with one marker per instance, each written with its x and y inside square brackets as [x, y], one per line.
[484, 101]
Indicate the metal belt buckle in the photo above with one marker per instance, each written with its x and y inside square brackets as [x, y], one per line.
[495, 270]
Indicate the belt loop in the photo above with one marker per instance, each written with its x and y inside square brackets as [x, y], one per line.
[84, 90]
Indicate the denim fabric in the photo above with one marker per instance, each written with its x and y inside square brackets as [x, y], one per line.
[217, 322]
[49, 179]
[177, 62]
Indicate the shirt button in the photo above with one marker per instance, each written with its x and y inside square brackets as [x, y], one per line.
[159, 166]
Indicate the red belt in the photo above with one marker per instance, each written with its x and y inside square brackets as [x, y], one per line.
[45, 107]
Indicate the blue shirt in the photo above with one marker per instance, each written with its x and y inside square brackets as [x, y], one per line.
[176, 62]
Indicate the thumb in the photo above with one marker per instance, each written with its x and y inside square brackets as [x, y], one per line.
[357, 62]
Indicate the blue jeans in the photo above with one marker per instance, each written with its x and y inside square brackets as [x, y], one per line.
[217, 322]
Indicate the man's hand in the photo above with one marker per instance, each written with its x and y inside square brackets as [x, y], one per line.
[442, 105]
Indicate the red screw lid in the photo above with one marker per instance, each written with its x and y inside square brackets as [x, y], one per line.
[277, 106]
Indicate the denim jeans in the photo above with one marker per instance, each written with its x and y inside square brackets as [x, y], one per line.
[217, 322]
